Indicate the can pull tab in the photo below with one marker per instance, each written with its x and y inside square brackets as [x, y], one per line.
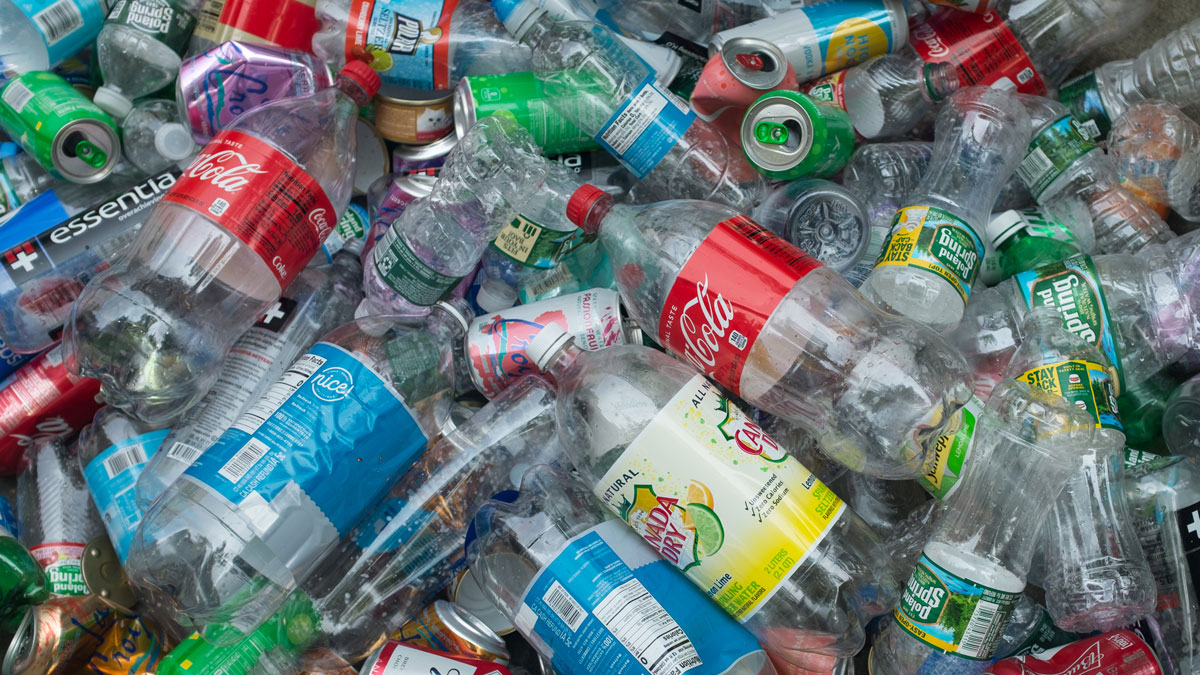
[771, 133]
[750, 61]
[90, 153]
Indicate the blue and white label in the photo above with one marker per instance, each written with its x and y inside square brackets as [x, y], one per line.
[67, 26]
[608, 603]
[111, 476]
[646, 127]
[330, 432]
[8, 518]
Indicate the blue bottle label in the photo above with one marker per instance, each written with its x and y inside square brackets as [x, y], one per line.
[111, 476]
[330, 431]
[8, 517]
[407, 43]
[594, 608]
[646, 126]
[66, 26]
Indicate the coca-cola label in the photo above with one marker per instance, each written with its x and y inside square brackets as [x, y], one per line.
[255, 191]
[1119, 652]
[725, 293]
[981, 47]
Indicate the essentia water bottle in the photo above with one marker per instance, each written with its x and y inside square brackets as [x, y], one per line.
[250, 519]
[662, 448]
[787, 335]
[139, 48]
[246, 216]
[608, 91]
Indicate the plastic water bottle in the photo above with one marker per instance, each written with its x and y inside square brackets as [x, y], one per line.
[139, 48]
[665, 451]
[1154, 145]
[1181, 419]
[21, 179]
[155, 139]
[696, 21]
[244, 219]
[935, 249]
[51, 32]
[1020, 247]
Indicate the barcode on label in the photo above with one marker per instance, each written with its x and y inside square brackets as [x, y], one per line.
[1091, 129]
[59, 20]
[123, 459]
[558, 277]
[210, 17]
[245, 459]
[975, 637]
[183, 452]
[1034, 167]
[17, 95]
[288, 383]
[559, 600]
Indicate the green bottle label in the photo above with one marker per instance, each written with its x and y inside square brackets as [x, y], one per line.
[1085, 384]
[404, 272]
[936, 241]
[951, 452]
[1082, 96]
[1052, 152]
[522, 95]
[166, 21]
[1044, 636]
[287, 633]
[533, 245]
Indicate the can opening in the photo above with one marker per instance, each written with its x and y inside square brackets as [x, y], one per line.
[786, 136]
[756, 61]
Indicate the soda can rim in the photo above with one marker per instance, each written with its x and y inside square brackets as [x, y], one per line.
[734, 47]
[783, 106]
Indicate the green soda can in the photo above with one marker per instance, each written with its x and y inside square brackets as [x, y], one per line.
[480, 96]
[71, 137]
[788, 135]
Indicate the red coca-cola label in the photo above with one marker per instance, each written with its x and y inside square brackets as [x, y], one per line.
[1120, 652]
[252, 189]
[283, 23]
[42, 400]
[725, 293]
[982, 49]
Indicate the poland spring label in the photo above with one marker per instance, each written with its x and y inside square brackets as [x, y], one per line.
[936, 241]
[1053, 152]
[951, 452]
[1085, 384]
[164, 21]
[407, 273]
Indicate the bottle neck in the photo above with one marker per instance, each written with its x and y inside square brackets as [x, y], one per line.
[564, 363]
[354, 91]
[534, 31]
[597, 212]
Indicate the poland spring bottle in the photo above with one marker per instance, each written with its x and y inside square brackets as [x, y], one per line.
[244, 219]
[664, 450]
[799, 342]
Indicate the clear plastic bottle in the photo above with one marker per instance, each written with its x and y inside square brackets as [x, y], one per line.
[696, 21]
[154, 138]
[1155, 147]
[820, 218]
[219, 250]
[800, 342]
[438, 240]
[674, 154]
[321, 299]
[139, 48]
[934, 252]
[555, 519]
[45, 39]
[1022, 248]
[663, 449]
[1070, 176]
[21, 179]
[1096, 576]
[974, 564]
[1166, 70]
[1181, 419]
[252, 517]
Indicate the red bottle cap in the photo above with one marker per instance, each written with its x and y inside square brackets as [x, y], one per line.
[581, 202]
[362, 73]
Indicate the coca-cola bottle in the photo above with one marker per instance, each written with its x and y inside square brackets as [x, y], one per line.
[244, 219]
[781, 331]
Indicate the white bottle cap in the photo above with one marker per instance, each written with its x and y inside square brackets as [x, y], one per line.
[113, 102]
[546, 343]
[1004, 225]
[173, 142]
[495, 295]
[522, 17]
[457, 309]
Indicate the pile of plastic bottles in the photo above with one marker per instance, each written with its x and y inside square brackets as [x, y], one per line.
[644, 337]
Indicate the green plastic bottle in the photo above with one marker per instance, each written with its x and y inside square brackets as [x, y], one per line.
[22, 581]
[1027, 239]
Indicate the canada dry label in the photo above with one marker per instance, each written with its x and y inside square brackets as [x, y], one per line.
[255, 191]
[952, 614]
[1085, 384]
[981, 47]
[1052, 152]
[936, 241]
[164, 21]
[725, 293]
[952, 450]
[717, 497]
[1072, 287]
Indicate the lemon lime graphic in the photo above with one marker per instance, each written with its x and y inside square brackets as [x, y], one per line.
[697, 493]
[710, 534]
[381, 60]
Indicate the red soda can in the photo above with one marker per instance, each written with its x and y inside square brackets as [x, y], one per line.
[1119, 652]
[42, 400]
[735, 77]
[397, 658]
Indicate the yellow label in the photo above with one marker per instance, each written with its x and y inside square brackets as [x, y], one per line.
[936, 241]
[718, 497]
[854, 41]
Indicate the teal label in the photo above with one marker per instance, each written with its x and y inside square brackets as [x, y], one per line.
[1052, 152]
[111, 477]
[164, 20]
[1082, 96]
[67, 26]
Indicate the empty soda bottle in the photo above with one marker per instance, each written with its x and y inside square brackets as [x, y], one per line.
[934, 252]
[555, 555]
[1096, 576]
[672, 153]
[252, 516]
[154, 138]
[820, 218]
[1166, 70]
[1154, 145]
[660, 447]
[438, 240]
[321, 299]
[244, 219]
[138, 56]
[800, 342]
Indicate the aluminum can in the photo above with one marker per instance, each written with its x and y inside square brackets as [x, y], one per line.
[398, 658]
[787, 135]
[737, 75]
[446, 627]
[480, 96]
[58, 636]
[1118, 652]
[415, 121]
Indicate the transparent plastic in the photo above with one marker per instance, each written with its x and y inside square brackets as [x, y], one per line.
[1028, 445]
[697, 21]
[1181, 419]
[225, 569]
[1148, 143]
[587, 62]
[22, 47]
[493, 171]
[607, 397]
[1096, 576]
[24, 178]
[53, 502]
[1166, 70]
[820, 218]
[134, 64]
[515, 541]
[874, 389]
[325, 298]
[154, 138]
[981, 134]
[153, 327]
